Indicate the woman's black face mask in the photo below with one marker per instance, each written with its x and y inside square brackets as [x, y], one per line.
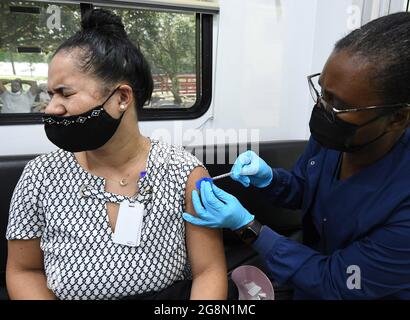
[87, 131]
[336, 134]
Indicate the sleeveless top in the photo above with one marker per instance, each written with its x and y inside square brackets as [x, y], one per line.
[64, 205]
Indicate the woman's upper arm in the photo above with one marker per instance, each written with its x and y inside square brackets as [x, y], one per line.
[24, 255]
[205, 245]
[25, 274]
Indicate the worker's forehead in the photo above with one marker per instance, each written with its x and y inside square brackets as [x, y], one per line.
[347, 76]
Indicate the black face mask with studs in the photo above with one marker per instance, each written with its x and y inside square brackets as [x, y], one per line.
[87, 131]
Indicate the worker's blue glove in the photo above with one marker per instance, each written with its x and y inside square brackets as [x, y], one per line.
[249, 168]
[219, 210]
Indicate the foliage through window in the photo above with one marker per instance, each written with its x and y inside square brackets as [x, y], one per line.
[168, 40]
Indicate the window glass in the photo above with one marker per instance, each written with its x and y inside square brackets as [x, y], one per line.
[30, 33]
[168, 41]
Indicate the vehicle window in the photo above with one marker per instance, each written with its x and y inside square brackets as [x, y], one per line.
[176, 39]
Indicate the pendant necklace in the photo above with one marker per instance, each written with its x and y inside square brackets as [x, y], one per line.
[124, 182]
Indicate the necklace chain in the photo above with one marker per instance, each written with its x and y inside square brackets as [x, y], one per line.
[123, 182]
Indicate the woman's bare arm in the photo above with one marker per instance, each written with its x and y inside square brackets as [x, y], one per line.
[25, 275]
[205, 251]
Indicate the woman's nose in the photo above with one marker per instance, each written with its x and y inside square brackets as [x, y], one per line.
[55, 108]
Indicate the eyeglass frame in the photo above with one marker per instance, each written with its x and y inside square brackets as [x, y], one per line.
[320, 99]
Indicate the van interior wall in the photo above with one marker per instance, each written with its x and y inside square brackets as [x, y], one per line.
[263, 51]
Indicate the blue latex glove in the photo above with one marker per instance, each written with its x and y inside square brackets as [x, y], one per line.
[219, 210]
[249, 168]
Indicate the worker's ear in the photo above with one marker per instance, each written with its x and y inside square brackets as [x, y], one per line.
[399, 120]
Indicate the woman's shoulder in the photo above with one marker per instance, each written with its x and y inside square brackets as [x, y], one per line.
[48, 161]
[174, 154]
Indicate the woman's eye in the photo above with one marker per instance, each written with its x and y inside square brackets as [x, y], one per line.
[63, 94]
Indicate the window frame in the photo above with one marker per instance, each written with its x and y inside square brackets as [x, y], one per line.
[168, 6]
[204, 67]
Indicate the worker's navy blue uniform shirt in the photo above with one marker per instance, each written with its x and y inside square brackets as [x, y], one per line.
[357, 225]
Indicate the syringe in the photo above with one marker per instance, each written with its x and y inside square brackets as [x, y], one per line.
[198, 183]
[221, 176]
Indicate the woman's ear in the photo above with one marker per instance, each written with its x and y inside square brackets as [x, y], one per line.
[400, 120]
[125, 95]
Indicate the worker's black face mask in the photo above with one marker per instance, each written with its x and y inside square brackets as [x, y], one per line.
[336, 134]
[87, 131]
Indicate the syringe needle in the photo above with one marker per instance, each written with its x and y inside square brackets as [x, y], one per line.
[222, 176]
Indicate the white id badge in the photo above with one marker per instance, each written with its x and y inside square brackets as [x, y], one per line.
[129, 224]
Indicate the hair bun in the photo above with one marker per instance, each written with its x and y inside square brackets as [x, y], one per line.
[103, 21]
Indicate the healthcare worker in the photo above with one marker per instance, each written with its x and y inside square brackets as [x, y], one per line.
[352, 183]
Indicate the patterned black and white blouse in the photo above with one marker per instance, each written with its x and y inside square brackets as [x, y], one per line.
[64, 205]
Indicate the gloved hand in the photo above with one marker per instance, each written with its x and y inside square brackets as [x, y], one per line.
[219, 210]
[249, 168]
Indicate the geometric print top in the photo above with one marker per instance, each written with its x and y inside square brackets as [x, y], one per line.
[64, 205]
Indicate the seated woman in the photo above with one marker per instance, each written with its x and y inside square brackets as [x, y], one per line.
[67, 206]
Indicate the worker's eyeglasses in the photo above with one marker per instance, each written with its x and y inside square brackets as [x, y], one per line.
[316, 93]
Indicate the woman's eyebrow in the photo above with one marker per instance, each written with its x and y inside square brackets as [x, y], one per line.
[60, 88]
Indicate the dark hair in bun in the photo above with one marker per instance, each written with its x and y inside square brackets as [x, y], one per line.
[102, 21]
[108, 54]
